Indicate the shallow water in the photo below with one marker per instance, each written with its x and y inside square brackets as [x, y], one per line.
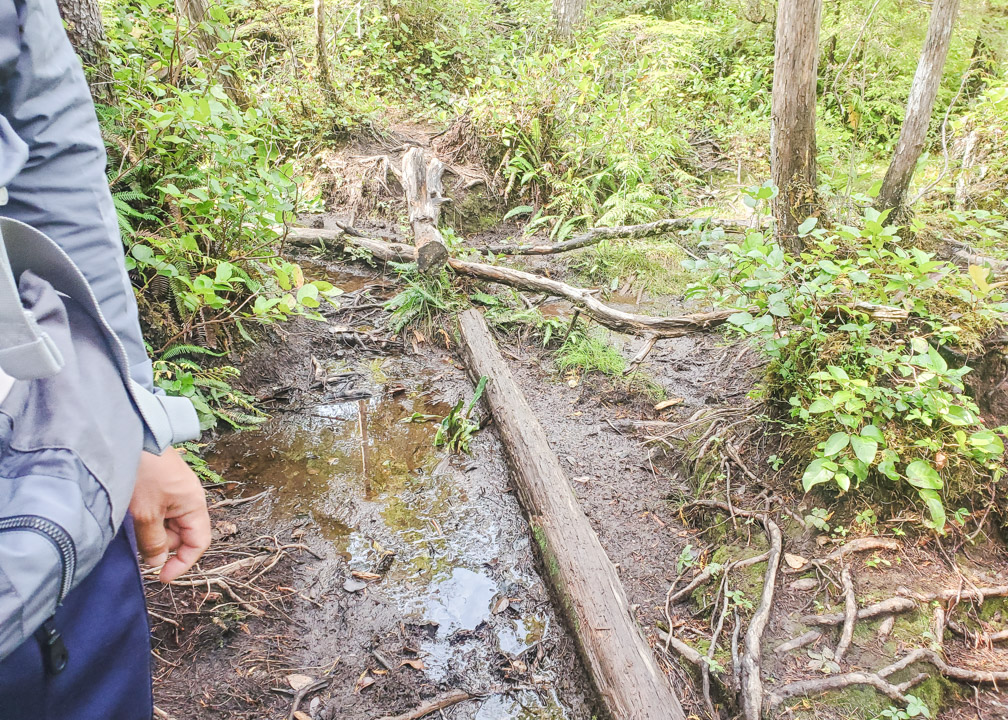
[447, 543]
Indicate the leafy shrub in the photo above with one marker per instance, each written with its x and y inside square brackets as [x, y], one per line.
[201, 184]
[874, 392]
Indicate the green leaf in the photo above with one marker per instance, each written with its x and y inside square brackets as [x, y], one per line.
[872, 432]
[740, 318]
[922, 475]
[520, 210]
[816, 473]
[979, 276]
[821, 405]
[935, 507]
[842, 480]
[865, 449]
[806, 227]
[836, 442]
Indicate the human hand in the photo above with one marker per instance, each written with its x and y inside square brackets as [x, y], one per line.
[169, 514]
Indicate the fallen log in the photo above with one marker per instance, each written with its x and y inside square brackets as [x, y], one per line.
[660, 327]
[610, 317]
[584, 579]
[421, 181]
[630, 232]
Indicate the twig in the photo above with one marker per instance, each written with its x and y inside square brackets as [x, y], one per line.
[452, 698]
[858, 545]
[850, 616]
[232, 502]
[304, 692]
[649, 343]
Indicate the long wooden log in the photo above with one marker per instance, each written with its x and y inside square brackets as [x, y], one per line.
[421, 181]
[619, 660]
[630, 232]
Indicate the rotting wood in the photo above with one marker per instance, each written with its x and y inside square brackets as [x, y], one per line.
[626, 232]
[421, 181]
[585, 581]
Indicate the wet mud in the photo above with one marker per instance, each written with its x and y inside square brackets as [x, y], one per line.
[427, 582]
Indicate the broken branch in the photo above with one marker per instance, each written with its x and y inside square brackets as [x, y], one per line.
[635, 232]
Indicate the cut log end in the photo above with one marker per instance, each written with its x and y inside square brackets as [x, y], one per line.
[431, 257]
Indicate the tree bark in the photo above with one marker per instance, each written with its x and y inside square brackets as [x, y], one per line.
[195, 11]
[86, 32]
[583, 578]
[421, 181]
[792, 124]
[568, 14]
[923, 91]
[321, 52]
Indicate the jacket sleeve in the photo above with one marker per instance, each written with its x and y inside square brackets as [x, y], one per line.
[60, 186]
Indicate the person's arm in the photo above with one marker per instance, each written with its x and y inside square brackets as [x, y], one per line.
[59, 187]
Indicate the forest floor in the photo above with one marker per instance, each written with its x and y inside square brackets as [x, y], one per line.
[357, 562]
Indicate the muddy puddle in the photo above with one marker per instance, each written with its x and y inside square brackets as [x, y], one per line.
[428, 583]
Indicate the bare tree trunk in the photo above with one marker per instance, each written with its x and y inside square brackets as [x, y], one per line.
[322, 55]
[925, 86]
[195, 12]
[568, 15]
[792, 124]
[86, 32]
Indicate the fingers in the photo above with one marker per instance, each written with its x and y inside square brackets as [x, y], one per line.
[152, 539]
[192, 531]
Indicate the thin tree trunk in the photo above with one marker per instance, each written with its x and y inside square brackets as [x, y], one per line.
[86, 32]
[792, 125]
[568, 15]
[195, 12]
[321, 53]
[925, 86]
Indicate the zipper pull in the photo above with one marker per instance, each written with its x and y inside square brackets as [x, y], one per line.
[54, 652]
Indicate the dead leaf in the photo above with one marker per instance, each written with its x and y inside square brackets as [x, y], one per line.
[666, 404]
[297, 681]
[301, 715]
[364, 681]
[794, 561]
[415, 664]
[582, 478]
[353, 585]
[500, 606]
[365, 575]
[224, 529]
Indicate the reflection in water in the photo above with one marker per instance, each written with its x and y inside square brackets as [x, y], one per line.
[367, 473]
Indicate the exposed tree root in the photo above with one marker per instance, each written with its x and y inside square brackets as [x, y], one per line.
[866, 544]
[850, 616]
[799, 642]
[630, 232]
[750, 680]
[975, 594]
[891, 606]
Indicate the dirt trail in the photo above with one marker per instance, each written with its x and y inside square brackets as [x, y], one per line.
[417, 577]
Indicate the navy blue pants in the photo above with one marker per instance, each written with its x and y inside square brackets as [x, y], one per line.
[103, 622]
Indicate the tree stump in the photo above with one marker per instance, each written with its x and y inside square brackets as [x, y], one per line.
[421, 181]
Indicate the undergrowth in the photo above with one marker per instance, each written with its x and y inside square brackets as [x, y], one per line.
[867, 340]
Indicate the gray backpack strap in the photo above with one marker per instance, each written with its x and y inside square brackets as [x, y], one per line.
[26, 351]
